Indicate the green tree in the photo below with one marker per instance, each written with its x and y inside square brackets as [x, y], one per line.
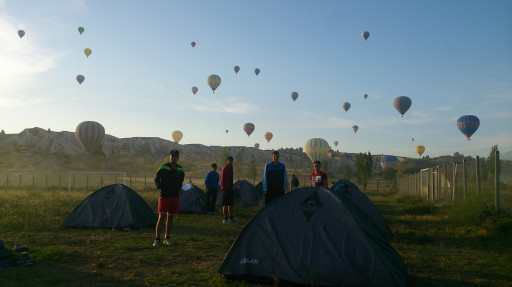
[388, 173]
[491, 162]
[237, 164]
[252, 173]
[364, 163]
[347, 172]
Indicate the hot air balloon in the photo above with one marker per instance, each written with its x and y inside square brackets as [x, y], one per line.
[412, 139]
[365, 35]
[249, 128]
[257, 71]
[177, 136]
[194, 90]
[316, 149]
[236, 69]
[402, 104]
[346, 106]
[355, 128]
[80, 79]
[365, 96]
[388, 160]
[468, 125]
[89, 134]
[80, 30]
[256, 145]
[213, 81]
[336, 143]
[294, 96]
[193, 44]
[227, 131]
[21, 33]
[268, 136]
[87, 52]
[419, 149]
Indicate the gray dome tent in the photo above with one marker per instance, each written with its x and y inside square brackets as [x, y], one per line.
[309, 237]
[192, 199]
[113, 206]
[244, 192]
[354, 199]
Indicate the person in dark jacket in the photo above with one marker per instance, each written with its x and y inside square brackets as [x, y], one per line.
[226, 187]
[168, 180]
[211, 182]
[275, 179]
[294, 182]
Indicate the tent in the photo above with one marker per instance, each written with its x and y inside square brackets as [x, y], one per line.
[258, 189]
[309, 237]
[192, 199]
[244, 192]
[355, 200]
[113, 206]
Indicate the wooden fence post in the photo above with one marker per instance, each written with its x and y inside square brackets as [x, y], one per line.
[464, 181]
[497, 180]
[454, 189]
[478, 189]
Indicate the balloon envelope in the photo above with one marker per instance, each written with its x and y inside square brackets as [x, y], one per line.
[193, 44]
[268, 136]
[294, 96]
[257, 71]
[336, 143]
[468, 125]
[80, 79]
[177, 136]
[194, 90]
[346, 106]
[316, 149]
[419, 149]
[365, 96]
[355, 128]
[256, 145]
[402, 104]
[21, 33]
[388, 160]
[87, 52]
[213, 81]
[236, 69]
[365, 35]
[249, 128]
[80, 30]
[89, 134]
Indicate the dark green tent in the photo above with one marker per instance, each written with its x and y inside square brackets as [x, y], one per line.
[192, 199]
[113, 206]
[244, 193]
[309, 237]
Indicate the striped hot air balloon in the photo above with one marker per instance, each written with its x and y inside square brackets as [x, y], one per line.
[268, 136]
[402, 104]
[316, 149]
[388, 160]
[249, 128]
[468, 125]
[213, 81]
[419, 149]
[90, 134]
[177, 136]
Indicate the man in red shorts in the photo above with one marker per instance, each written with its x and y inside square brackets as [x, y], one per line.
[168, 180]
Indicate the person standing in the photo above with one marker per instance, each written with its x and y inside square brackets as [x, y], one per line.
[275, 179]
[211, 183]
[294, 182]
[226, 187]
[318, 177]
[168, 180]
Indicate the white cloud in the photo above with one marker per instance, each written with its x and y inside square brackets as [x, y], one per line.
[229, 106]
[79, 5]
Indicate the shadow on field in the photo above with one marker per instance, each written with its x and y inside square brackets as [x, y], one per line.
[415, 281]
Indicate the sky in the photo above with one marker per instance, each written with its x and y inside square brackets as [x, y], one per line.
[451, 58]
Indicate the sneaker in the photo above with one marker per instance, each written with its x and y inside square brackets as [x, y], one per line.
[232, 220]
[168, 241]
[226, 221]
[156, 243]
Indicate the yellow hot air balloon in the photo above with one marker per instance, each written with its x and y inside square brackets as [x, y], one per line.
[268, 136]
[419, 149]
[87, 52]
[316, 149]
[177, 136]
[213, 81]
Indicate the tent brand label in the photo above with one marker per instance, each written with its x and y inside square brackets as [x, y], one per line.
[249, 261]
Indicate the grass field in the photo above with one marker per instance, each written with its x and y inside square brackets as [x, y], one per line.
[443, 245]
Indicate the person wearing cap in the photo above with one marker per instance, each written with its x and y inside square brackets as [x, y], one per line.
[275, 179]
[168, 180]
[318, 177]
[226, 187]
[211, 182]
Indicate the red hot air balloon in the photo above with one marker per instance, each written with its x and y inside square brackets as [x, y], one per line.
[248, 128]
[193, 44]
[256, 145]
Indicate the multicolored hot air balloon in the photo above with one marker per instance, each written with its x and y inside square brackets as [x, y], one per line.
[87, 52]
[249, 128]
[257, 71]
[80, 79]
[388, 160]
[336, 143]
[177, 136]
[193, 44]
[419, 149]
[346, 106]
[236, 69]
[316, 149]
[21, 33]
[468, 125]
[81, 30]
[90, 134]
[365, 35]
[256, 145]
[194, 90]
[365, 96]
[268, 136]
[213, 81]
[294, 96]
[355, 128]
[402, 104]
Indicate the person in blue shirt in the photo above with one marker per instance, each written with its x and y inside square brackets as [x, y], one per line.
[211, 183]
[275, 179]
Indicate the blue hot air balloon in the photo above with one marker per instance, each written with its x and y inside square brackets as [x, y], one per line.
[468, 125]
[388, 160]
